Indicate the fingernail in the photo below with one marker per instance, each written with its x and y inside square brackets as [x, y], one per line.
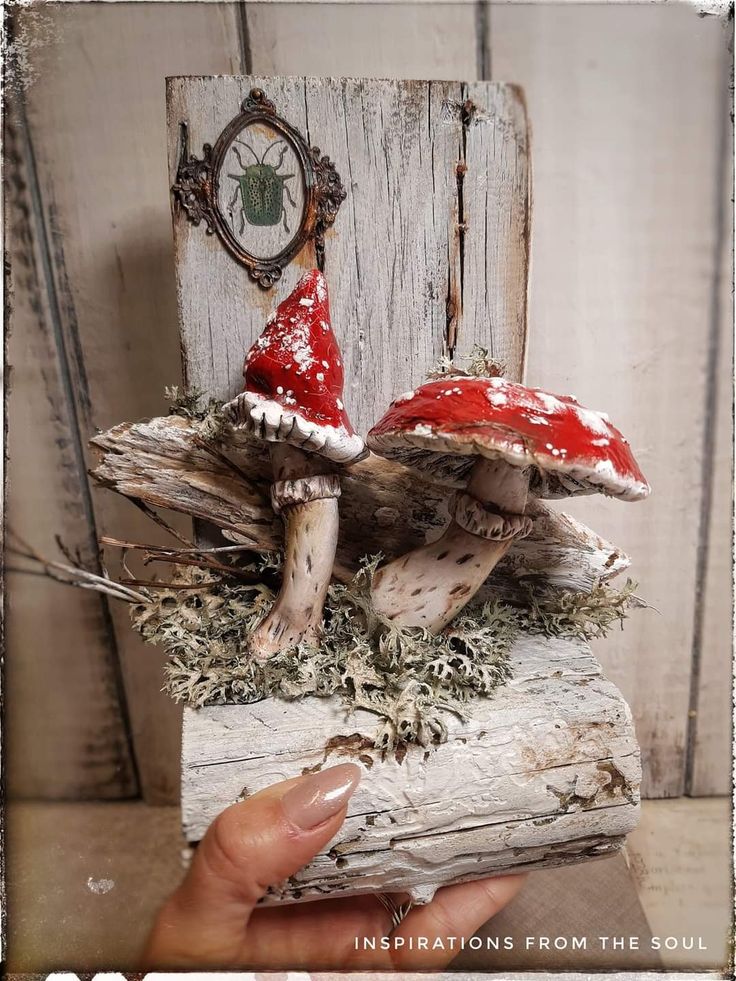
[320, 795]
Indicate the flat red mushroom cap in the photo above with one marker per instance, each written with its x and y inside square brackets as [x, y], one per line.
[294, 378]
[442, 426]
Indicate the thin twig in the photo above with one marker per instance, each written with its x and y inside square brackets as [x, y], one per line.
[72, 575]
[168, 585]
[183, 556]
[154, 516]
[230, 570]
[106, 540]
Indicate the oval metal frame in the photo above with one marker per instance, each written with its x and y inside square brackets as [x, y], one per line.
[197, 189]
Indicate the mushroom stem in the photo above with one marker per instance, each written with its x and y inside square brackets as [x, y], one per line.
[307, 498]
[430, 585]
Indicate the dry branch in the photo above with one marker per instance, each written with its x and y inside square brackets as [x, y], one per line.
[384, 508]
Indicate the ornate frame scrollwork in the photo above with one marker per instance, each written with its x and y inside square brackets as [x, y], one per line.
[196, 189]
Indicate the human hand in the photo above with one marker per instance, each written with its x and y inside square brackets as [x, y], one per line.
[211, 920]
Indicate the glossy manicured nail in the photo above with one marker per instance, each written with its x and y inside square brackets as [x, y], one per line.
[320, 795]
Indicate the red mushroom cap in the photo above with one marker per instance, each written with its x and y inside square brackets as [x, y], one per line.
[294, 378]
[444, 424]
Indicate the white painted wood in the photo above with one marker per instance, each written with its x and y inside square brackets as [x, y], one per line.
[383, 507]
[363, 40]
[626, 117]
[544, 773]
[395, 241]
[398, 269]
[712, 727]
[58, 641]
[95, 105]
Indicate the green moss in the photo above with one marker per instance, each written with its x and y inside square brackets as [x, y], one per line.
[410, 679]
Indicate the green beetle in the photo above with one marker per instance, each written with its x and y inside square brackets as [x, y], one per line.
[261, 189]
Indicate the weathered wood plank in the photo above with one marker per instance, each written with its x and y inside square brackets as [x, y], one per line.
[426, 40]
[423, 41]
[545, 772]
[626, 115]
[96, 115]
[383, 507]
[396, 237]
[712, 726]
[60, 645]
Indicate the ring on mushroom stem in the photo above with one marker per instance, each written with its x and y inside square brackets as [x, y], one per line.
[497, 441]
[293, 400]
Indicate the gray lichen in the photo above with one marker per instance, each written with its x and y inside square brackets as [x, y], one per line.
[189, 403]
[478, 364]
[407, 677]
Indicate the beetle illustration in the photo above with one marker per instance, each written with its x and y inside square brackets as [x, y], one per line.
[261, 189]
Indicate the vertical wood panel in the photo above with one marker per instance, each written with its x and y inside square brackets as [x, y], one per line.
[711, 730]
[60, 645]
[409, 40]
[96, 113]
[395, 243]
[624, 109]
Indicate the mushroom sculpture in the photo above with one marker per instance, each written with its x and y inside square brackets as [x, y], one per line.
[497, 441]
[293, 400]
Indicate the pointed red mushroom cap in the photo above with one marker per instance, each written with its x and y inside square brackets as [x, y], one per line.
[443, 426]
[294, 379]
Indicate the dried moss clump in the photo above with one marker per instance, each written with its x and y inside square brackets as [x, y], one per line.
[478, 364]
[407, 677]
[190, 404]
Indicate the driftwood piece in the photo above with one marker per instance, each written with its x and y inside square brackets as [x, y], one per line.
[428, 255]
[383, 508]
[546, 772]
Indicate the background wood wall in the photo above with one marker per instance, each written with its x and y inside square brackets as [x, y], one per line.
[630, 310]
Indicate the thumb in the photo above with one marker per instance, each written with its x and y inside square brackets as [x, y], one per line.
[247, 848]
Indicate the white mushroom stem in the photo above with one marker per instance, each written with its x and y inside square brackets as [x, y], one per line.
[430, 585]
[307, 500]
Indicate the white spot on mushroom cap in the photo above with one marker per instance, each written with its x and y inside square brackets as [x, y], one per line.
[596, 422]
[320, 376]
[550, 402]
[406, 397]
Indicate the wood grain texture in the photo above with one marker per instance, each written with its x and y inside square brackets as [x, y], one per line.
[383, 506]
[545, 772]
[394, 256]
[96, 113]
[60, 646]
[626, 116]
[428, 40]
[712, 727]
